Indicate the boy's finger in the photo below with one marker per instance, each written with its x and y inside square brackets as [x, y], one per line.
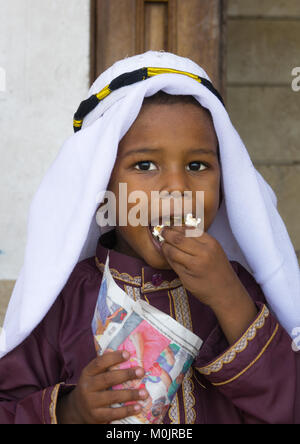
[176, 256]
[102, 363]
[111, 378]
[179, 268]
[199, 235]
[110, 397]
[177, 238]
[113, 414]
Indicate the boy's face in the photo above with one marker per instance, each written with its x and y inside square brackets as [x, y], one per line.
[172, 133]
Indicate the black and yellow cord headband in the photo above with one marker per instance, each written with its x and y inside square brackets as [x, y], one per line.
[129, 78]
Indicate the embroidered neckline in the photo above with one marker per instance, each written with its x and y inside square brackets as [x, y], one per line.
[146, 287]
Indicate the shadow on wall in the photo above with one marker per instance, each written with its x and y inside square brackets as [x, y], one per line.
[6, 288]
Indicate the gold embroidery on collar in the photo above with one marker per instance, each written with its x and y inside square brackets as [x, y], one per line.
[238, 347]
[148, 286]
[125, 277]
[133, 292]
[137, 280]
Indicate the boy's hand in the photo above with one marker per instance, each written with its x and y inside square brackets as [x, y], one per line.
[90, 402]
[200, 263]
[206, 272]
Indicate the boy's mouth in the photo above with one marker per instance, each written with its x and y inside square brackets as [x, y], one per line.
[156, 226]
[155, 229]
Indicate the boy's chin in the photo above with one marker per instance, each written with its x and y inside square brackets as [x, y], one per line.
[156, 260]
[149, 252]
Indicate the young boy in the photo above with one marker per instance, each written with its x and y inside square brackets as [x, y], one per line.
[246, 369]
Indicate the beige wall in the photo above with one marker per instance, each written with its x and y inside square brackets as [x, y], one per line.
[262, 49]
[6, 287]
[44, 52]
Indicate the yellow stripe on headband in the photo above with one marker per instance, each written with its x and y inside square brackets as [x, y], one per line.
[103, 93]
[154, 71]
[77, 123]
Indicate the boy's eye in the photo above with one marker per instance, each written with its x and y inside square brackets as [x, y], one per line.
[144, 165]
[194, 166]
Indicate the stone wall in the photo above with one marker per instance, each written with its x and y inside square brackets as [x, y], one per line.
[44, 53]
[262, 49]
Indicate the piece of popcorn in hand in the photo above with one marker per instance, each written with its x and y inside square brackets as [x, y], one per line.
[156, 232]
[191, 221]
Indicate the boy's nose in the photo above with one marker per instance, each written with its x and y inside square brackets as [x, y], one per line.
[172, 187]
[174, 181]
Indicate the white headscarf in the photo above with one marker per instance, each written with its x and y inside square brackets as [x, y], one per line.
[62, 229]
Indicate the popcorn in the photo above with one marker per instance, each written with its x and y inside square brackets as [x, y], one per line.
[189, 221]
[156, 232]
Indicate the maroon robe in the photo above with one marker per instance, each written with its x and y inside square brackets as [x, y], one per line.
[252, 381]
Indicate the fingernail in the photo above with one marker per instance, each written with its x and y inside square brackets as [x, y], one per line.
[139, 372]
[142, 393]
[125, 354]
[137, 407]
